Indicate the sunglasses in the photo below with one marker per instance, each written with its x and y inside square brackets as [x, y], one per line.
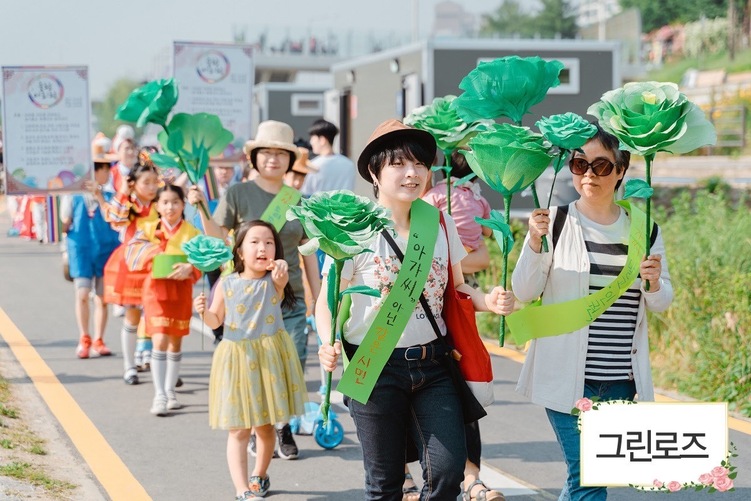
[600, 166]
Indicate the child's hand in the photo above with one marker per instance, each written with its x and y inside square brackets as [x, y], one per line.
[279, 269]
[329, 355]
[199, 303]
[500, 301]
[194, 195]
[181, 271]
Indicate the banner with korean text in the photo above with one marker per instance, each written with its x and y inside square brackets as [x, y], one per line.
[218, 79]
[46, 136]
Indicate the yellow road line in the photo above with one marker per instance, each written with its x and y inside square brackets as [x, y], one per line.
[740, 425]
[107, 466]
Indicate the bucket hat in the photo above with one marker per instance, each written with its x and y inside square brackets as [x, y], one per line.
[272, 134]
[390, 130]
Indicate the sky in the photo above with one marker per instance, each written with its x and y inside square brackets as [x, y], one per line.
[123, 39]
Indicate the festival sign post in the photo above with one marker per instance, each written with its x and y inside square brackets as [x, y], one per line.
[47, 143]
[217, 79]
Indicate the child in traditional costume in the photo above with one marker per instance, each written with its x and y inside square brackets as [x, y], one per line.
[167, 290]
[130, 208]
[256, 380]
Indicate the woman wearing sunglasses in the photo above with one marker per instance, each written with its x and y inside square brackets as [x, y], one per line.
[609, 357]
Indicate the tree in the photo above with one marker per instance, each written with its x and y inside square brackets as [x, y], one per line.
[556, 19]
[104, 111]
[509, 20]
[657, 14]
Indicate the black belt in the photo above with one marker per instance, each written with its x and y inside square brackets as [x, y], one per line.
[431, 351]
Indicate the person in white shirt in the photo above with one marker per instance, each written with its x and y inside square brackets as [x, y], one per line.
[334, 171]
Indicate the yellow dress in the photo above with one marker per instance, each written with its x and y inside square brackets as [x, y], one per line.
[256, 377]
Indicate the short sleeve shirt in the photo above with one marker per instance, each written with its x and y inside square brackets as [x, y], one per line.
[246, 202]
[378, 269]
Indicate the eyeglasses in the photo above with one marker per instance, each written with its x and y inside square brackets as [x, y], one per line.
[599, 166]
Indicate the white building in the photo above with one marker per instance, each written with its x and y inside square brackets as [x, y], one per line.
[589, 12]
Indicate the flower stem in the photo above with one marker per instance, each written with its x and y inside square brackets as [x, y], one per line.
[537, 206]
[447, 158]
[648, 159]
[556, 169]
[504, 270]
[338, 266]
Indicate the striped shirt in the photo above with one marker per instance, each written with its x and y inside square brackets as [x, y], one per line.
[611, 335]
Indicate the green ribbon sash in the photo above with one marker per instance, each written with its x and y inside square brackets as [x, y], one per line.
[276, 213]
[366, 365]
[537, 321]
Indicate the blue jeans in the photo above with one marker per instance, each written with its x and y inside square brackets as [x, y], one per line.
[416, 398]
[295, 323]
[564, 426]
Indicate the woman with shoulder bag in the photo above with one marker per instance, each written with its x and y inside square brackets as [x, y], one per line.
[414, 394]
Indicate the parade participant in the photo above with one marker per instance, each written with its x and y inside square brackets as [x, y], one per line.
[130, 207]
[125, 151]
[255, 379]
[609, 358]
[414, 394]
[272, 154]
[166, 299]
[466, 203]
[332, 170]
[89, 242]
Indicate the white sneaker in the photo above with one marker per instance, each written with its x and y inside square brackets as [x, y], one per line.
[172, 402]
[159, 407]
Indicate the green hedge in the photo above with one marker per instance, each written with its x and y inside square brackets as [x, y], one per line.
[701, 345]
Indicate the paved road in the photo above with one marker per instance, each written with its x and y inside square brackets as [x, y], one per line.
[179, 457]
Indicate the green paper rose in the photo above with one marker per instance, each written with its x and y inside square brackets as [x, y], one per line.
[444, 124]
[339, 223]
[189, 141]
[506, 87]
[568, 131]
[648, 117]
[508, 158]
[150, 103]
[206, 253]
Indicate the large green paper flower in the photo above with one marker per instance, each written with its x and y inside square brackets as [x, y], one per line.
[444, 124]
[206, 253]
[648, 117]
[506, 87]
[508, 158]
[339, 223]
[189, 141]
[568, 131]
[150, 103]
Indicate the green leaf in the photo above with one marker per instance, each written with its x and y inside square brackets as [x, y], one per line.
[165, 161]
[361, 289]
[637, 188]
[502, 231]
[330, 295]
[733, 475]
[466, 179]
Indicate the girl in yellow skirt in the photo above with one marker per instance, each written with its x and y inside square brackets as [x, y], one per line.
[256, 380]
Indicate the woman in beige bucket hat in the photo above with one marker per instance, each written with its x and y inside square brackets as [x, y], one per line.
[272, 153]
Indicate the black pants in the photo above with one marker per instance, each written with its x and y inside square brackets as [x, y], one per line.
[474, 445]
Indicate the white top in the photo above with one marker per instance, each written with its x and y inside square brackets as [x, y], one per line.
[335, 172]
[378, 269]
[553, 371]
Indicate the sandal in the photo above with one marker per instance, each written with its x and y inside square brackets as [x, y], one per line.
[259, 486]
[411, 493]
[484, 494]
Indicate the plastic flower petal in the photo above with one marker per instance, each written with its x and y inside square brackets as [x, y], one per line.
[150, 103]
[637, 188]
[648, 117]
[506, 87]
[508, 158]
[206, 253]
[191, 140]
[567, 131]
[444, 124]
[339, 223]
[502, 231]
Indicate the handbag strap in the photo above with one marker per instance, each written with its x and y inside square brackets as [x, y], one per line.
[424, 302]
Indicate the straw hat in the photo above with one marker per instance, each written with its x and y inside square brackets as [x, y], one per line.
[303, 165]
[387, 131]
[100, 148]
[272, 134]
